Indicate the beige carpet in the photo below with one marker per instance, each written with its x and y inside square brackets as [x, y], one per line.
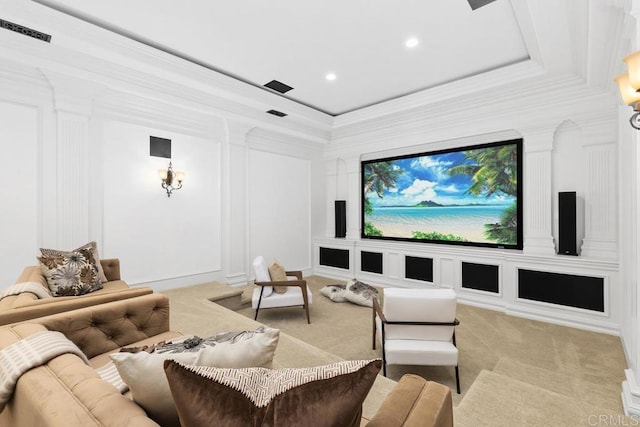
[496, 400]
[193, 313]
[526, 365]
[513, 371]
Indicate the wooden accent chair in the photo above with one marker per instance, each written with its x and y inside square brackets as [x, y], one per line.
[264, 296]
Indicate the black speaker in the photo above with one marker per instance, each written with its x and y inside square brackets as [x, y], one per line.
[341, 218]
[567, 226]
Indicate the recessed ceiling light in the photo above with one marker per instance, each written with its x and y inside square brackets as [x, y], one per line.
[412, 42]
[331, 76]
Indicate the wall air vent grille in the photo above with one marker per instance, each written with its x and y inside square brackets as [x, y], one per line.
[278, 86]
[159, 147]
[476, 4]
[277, 113]
[25, 30]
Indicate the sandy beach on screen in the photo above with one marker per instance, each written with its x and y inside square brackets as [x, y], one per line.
[470, 233]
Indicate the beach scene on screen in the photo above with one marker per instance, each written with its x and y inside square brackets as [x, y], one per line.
[459, 196]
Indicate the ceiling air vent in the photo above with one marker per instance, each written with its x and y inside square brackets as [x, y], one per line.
[24, 30]
[277, 113]
[476, 4]
[278, 86]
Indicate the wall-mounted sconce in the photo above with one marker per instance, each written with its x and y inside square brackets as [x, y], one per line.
[629, 84]
[171, 180]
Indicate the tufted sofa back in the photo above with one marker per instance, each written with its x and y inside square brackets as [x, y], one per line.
[106, 327]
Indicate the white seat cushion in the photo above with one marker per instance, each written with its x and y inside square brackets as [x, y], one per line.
[262, 274]
[415, 352]
[293, 296]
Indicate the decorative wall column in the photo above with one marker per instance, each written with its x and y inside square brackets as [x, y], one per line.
[235, 221]
[331, 179]
[73, 100]
[601, 221]
[631, 269]
[353, 197]
[629, 139]
[538, 208]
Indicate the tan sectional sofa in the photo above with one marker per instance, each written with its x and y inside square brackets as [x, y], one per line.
[66, 392]
[26, 306]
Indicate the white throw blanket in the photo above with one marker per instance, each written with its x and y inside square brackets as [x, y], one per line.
[28, 353]
[110, 374]
[34, 287]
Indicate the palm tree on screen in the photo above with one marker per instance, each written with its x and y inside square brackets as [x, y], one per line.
[493, 171]
[377, 177]
[380, 175]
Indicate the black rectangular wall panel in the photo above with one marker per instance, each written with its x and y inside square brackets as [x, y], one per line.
[338, 258]
[341, 218]
[480, 276]
[418, 268]
[371, 262]
[564, 289]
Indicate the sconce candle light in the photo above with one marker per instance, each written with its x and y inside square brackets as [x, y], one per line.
[629, 84]
[171, 180]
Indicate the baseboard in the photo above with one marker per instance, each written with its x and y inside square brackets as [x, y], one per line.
[631, 395]
[570, 322]
[183, 281]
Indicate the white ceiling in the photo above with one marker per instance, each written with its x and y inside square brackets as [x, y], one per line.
[361, 41]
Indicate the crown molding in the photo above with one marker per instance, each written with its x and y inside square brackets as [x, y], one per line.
[456, 89]
[541, 103]
[608, 42]
[267, 140]
[87, 52]
[82, 50]
[520, 103]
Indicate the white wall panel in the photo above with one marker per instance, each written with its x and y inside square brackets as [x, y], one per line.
[448, 272]
[18, 190]
[279, 208]
[156, 237]
[569, 173]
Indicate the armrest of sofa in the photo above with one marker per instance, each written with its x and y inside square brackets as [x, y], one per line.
[48, 306]
[102, 328]
[111, 267]
[65, 393]
[32, 273]
[415, 402]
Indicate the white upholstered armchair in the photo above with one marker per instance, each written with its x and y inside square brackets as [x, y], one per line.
[279, 293]
[417, 327]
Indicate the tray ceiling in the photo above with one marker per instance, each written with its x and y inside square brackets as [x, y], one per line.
[362, 42]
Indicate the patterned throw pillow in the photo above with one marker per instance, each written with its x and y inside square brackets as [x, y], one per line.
[143, 372]
[70, 273]
[92, 246]
[354, 291]
[329, 395]
[334, 292]
[360, 293]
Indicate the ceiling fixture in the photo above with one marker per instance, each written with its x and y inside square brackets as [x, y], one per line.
[412, 42]
[278, 86]
[476, 4]
[25, 31]
[277, 113]
[629, 84]
[331, 77]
